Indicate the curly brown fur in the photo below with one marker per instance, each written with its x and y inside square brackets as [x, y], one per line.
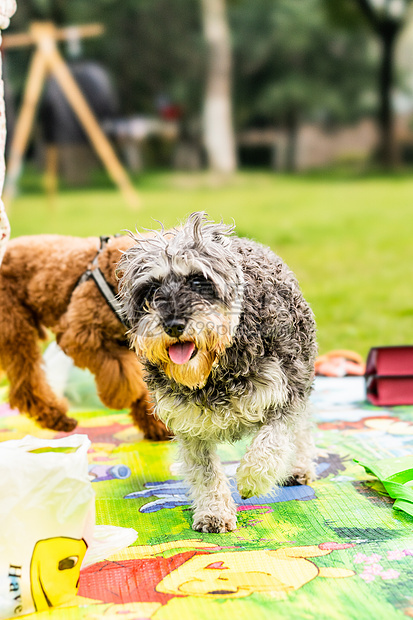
[38, 290]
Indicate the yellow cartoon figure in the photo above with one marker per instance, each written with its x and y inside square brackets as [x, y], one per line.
[54, 570]
[238, 574]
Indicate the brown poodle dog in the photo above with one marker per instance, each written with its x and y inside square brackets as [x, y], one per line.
[39, 288]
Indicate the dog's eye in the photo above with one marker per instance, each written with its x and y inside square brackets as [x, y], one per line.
[145, 295]
[201, 285]
[149, 292]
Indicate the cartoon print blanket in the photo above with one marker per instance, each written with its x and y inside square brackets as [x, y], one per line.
[333, 550]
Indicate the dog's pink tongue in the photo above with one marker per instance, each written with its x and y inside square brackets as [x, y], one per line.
[181, 352]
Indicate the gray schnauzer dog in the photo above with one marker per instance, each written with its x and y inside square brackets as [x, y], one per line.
[228, 343]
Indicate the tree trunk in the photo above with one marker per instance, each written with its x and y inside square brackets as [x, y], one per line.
[292, 123]
[386, 117]
[387, 29]
[217, 123]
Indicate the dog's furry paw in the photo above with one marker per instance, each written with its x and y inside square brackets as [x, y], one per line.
[157, 431]
[214, 524]
[250, 485]
[151, 426]
[304, 475]
[65, 424]
[57, 421]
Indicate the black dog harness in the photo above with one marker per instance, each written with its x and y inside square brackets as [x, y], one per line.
[106, 290]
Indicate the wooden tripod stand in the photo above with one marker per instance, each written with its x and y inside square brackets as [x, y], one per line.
[48, 60]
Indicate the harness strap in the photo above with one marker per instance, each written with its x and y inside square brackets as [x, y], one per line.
[106, 291]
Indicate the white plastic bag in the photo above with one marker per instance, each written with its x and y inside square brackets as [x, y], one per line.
[107, 540]
[47, 517]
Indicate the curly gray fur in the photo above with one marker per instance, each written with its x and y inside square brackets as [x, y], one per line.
[260, 382]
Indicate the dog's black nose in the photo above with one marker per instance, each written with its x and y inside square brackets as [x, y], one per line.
[174, 327]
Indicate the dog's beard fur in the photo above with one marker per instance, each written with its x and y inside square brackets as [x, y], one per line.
[210, 331]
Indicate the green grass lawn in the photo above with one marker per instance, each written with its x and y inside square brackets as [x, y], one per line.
[349, 240]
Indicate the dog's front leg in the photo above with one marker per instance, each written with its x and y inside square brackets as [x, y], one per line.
[214, 510]
[268, 460]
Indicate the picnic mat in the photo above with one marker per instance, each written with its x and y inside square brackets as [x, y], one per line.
[335, 549]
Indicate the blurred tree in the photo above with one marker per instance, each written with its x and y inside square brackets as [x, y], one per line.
[386, 19]
[218, 129]
[154, 51]
[293, 65]
[290, 62]
[153, 48]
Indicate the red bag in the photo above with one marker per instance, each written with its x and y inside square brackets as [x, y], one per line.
[389, 375]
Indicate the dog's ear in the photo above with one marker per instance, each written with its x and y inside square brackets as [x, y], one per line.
[127, 257]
